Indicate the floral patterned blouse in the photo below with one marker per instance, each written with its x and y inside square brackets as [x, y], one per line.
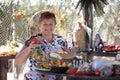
[46, 47]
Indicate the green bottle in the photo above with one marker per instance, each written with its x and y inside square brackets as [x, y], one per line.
[36, 52]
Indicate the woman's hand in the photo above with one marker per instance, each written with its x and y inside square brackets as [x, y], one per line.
[32, 45]
[23, 55]
[72, 52]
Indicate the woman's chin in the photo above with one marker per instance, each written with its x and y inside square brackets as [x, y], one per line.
[48, 33]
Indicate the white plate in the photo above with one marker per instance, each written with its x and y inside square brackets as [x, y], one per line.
[55, 55]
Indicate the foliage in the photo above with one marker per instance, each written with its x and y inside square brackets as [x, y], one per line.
[108, 25]
[60, 8]
[6, 10]
[98, 5]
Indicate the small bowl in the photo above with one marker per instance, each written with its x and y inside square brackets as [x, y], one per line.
[59, 69]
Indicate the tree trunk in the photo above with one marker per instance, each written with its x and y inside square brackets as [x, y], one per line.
[3, 69]
[88, 17]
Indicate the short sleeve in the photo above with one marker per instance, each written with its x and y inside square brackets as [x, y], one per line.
[62, 42]
[26, 42]
[33, 36]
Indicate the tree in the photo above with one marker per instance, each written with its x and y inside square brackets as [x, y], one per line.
[87, 7]
[6, 10]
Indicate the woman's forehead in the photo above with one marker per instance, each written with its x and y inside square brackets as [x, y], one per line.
[48, 20]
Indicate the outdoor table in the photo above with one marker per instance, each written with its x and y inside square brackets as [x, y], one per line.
[76, 77]
[4, 66]
[90, 77]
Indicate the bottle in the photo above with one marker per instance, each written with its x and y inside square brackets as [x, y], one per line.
[36, 53]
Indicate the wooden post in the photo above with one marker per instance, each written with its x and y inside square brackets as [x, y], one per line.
[3, 69]
[4, 66]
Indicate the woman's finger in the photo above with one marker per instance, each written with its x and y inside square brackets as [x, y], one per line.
[32, 45]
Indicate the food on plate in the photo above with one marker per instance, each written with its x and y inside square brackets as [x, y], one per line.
[58, 63]
[8, 53]
[42, 58]
[49, 61]
[44, 65]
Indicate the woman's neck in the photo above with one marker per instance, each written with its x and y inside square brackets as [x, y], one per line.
[49, 37]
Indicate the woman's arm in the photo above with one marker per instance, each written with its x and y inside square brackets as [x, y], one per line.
[70, 54]
[22, 56]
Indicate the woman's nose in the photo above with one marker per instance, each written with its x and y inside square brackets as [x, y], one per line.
[49, 26]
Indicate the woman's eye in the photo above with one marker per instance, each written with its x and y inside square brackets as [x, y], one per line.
[51, 24]
[44, 24]
[48, 24]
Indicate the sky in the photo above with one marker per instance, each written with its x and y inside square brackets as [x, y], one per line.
[33, 2]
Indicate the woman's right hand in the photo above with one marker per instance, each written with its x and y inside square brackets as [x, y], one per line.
[24, 53]
[32, 45]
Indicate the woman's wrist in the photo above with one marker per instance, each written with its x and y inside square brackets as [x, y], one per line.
[29, 48]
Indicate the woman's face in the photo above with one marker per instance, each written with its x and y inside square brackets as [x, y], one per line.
[47, 26]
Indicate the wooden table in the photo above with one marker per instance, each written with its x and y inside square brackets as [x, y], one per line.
[89, 55]
[76, 77]
[4, 66]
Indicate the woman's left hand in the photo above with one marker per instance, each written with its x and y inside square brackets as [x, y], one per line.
[73, 51]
